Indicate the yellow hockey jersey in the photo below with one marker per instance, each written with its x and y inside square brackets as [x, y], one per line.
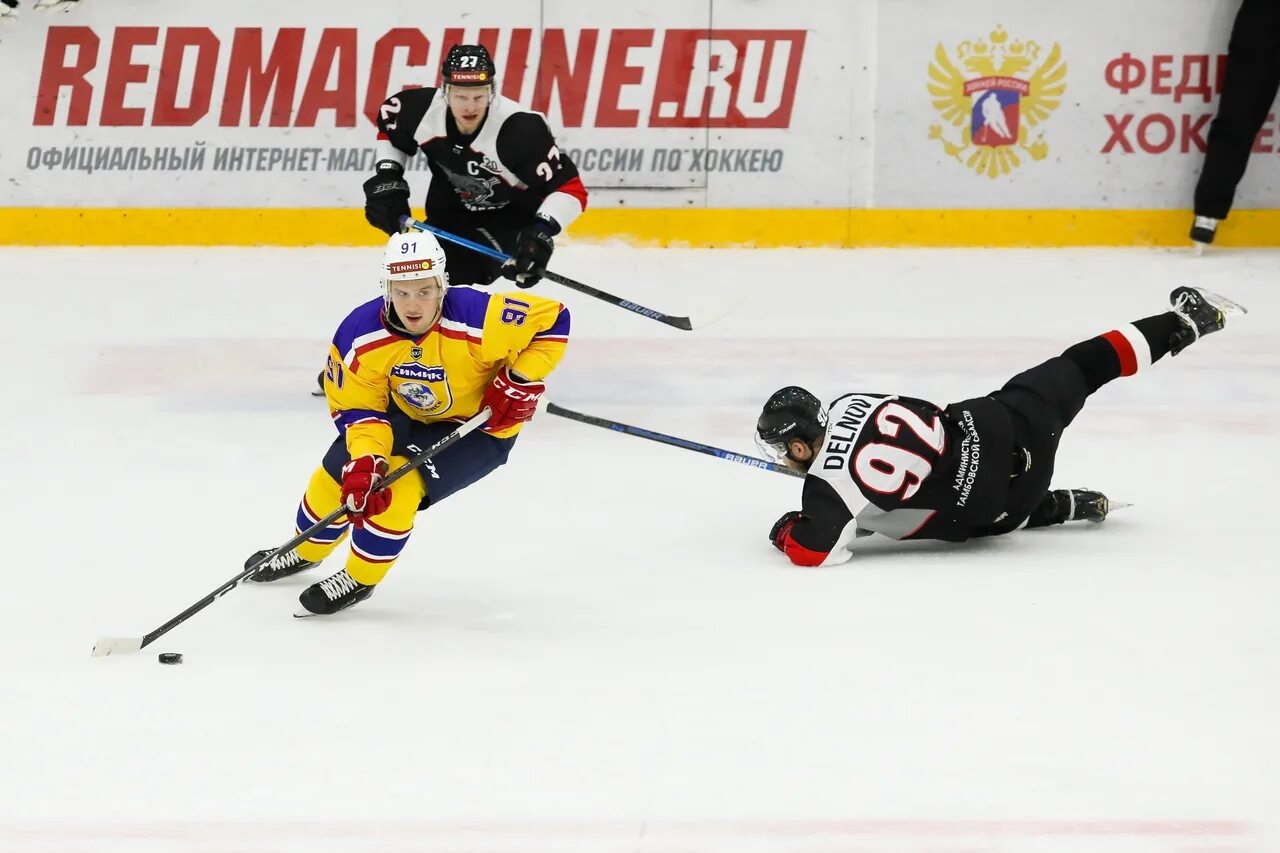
[441, 375]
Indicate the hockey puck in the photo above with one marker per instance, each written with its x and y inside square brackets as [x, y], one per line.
[170, 657]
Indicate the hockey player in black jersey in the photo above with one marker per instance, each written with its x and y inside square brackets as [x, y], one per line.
[497, 177]
[908, 469]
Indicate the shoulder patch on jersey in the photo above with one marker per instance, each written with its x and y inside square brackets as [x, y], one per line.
[363, 321]
[464, 311]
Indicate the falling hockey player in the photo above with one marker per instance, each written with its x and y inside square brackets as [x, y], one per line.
[403, 370]
[908, 469]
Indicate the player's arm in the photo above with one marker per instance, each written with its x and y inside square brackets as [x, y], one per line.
[525, 144]
[815, 534]
[358, 397]
[398, 120]
[387, 192]
[529, 334]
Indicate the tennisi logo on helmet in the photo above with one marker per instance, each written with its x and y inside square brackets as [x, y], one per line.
[309, 77]
[401, 267]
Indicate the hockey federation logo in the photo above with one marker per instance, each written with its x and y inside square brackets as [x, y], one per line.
[999, 96]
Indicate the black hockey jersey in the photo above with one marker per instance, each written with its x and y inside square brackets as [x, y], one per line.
[500, 176]
[904, 468]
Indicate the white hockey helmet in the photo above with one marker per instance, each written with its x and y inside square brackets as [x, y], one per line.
[412, 256]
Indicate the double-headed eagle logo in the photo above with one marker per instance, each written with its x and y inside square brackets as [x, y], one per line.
[995, 100]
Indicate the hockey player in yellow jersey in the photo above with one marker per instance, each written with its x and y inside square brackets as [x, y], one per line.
[403, 370]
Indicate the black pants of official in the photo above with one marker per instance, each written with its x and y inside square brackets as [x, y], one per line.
[1248, 92]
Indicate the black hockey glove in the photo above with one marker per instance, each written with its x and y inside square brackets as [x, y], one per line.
[386, 197]
[781, 527]
[533, 250]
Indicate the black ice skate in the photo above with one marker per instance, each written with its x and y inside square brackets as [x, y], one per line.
[279, 567]
[1062, 505]
[1203, 230]
[1084, 505]
[1202, 313]
[331, 595]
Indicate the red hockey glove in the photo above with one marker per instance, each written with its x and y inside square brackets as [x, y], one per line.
[782, 527]
[360, 493]
[511, 400]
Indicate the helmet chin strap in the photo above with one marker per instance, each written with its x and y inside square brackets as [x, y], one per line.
[393, 319]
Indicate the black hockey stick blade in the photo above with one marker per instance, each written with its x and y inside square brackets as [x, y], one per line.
[662, 438]
[127, 645]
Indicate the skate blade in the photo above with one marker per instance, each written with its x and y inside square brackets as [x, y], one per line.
[1115, 505]
[1226, 306]
[304, 613]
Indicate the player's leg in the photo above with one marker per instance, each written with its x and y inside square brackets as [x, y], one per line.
[323, 495]
[1044, 400]
[473, 457]
[1252, 76]
[1134, 347]
[378, 542]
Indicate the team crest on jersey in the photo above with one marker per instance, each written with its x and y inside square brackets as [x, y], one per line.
[474, 192]
[999, 96]
[419, 396]
[426, 388]
[416, 352]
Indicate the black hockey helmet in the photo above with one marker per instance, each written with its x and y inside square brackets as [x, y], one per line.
[789, 413]
[468, 65]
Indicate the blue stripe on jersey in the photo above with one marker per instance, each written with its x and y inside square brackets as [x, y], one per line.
[559, 329]
[348, 417]
[363, 320]
[466, 305]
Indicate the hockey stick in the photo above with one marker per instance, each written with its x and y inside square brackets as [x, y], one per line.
[128, 645]
[661, 438]
[684, 323]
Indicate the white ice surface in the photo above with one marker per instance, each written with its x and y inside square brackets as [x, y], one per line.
[595, 649]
